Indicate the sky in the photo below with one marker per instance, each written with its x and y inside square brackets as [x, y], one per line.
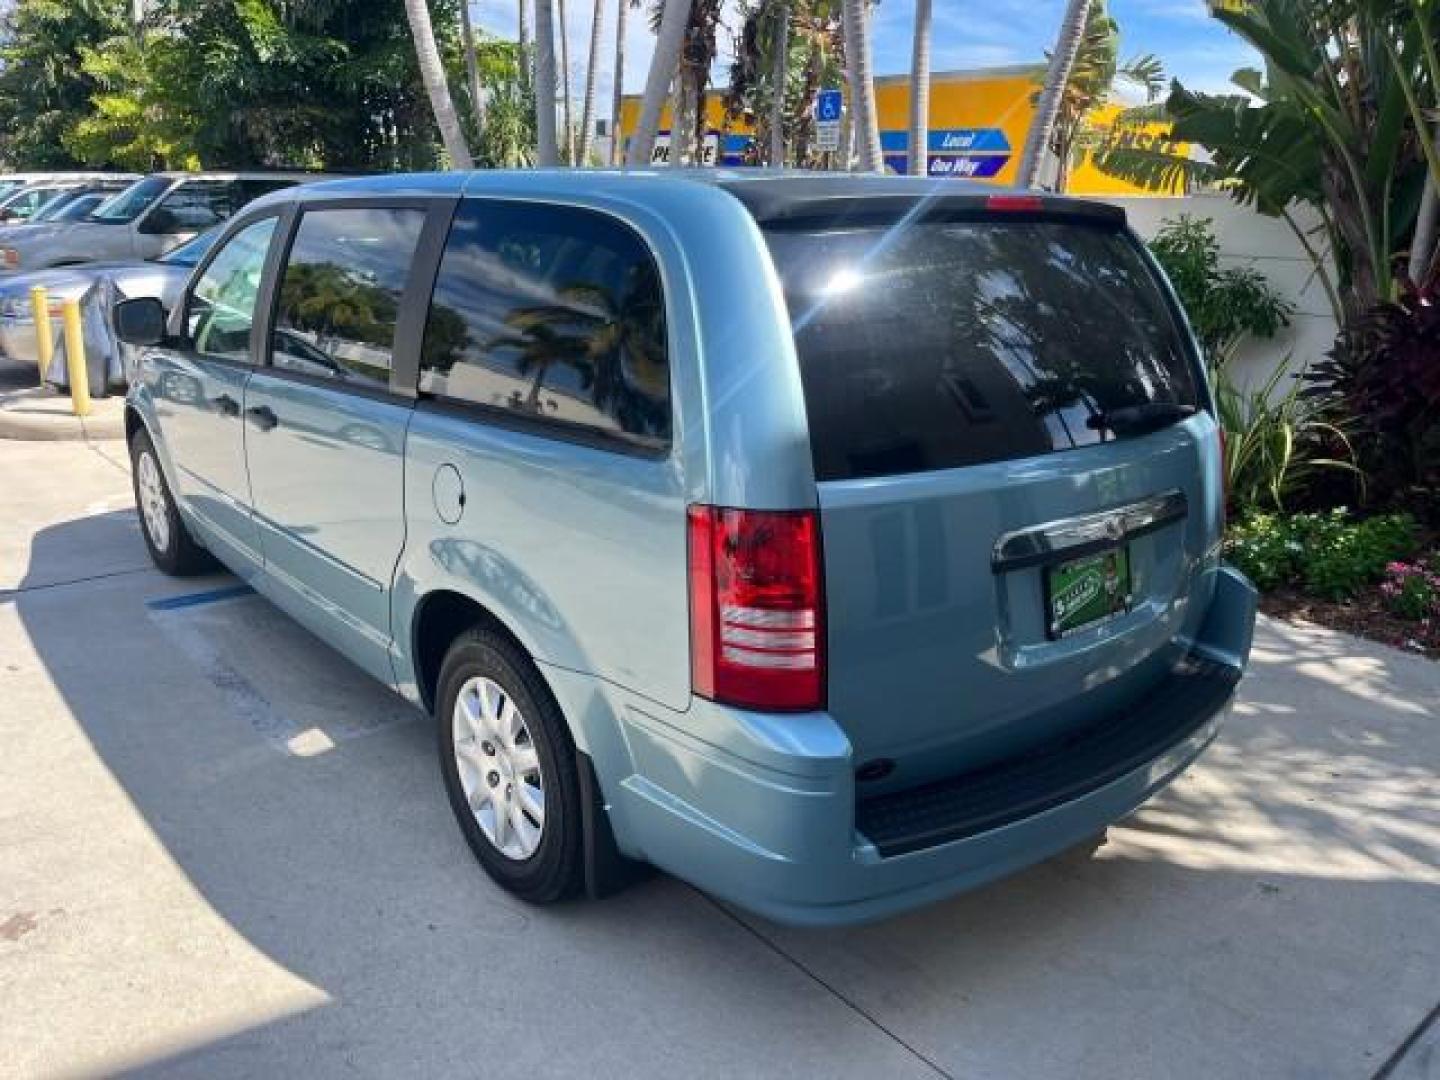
[967, 34]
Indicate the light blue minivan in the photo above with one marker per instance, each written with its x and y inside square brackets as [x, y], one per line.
[833, 543]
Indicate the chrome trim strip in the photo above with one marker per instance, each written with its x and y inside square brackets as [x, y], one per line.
[1070, 538]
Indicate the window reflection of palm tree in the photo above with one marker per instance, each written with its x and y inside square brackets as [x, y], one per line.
[615, 345]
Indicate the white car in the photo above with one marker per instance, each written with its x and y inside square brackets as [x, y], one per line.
[146, 219]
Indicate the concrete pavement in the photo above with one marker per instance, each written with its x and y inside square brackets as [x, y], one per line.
[223, 852]
[34, 413]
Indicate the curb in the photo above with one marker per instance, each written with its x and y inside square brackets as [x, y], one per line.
[38, 414]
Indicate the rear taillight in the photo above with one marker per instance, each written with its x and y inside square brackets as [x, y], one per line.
[757, 619]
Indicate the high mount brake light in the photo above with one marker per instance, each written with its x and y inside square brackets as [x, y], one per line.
[1015, 204]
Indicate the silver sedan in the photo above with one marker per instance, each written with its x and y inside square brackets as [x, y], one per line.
[162, 277]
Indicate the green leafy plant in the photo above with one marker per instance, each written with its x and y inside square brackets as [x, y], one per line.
[1330, 555]
[1225, 304]
[1276, 442]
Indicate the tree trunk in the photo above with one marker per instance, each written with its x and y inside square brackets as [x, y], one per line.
[617, 149]
[920, 92]
[1422, 246]
[857, 54]
[565, 84]
[432, 74]
[682, 121]
[1057, 77]
[523, 12]
[778, 79]
[472, 67]
[547, 153]
[587, 113]
[663, 63]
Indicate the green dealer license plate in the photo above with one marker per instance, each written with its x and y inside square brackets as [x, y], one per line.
[1086, 592]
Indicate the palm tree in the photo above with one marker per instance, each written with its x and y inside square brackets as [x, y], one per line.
[779, 78]
[432, 74]
[472, 66]
[587, 114]
[1091, 86]
[673, 21]
[547, 153]
[618, 97]
[920, 92]
[862, 84]
[1057, 77]
[565, 83]
[523, 14]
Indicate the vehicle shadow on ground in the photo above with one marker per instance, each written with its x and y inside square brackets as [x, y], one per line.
[1296, 865]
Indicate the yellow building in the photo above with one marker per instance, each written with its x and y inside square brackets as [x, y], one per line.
[978, 121]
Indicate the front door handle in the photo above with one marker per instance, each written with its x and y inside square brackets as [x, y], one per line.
[226, 405]
[263, 417]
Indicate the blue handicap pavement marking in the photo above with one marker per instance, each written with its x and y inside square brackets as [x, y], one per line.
[829, 105]
[174, 603]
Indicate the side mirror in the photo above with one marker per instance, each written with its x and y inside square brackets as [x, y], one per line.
[140, 321]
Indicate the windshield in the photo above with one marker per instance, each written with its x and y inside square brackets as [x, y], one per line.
[71, 208]
[944, 344]
[190, 252]
[129, 204]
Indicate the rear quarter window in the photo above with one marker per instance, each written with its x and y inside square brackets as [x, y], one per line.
[940, 344]
[551, 315]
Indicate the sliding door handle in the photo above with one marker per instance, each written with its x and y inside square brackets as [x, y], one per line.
[226, 405]
[263, 417]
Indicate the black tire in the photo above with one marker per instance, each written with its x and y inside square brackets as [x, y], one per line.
[556, 868]
[176, 553]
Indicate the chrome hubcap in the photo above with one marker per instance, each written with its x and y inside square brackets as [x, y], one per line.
[499, 768]
[152, 502]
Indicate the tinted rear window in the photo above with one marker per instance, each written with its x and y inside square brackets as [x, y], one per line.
[944, 344]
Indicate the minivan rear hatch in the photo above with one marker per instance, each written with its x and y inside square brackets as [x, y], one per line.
[1010, 440]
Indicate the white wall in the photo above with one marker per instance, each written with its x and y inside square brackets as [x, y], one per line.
[1266, 244]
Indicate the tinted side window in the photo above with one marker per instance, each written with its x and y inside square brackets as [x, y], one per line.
[340, 293]
[193, 206]
[252, 188]
[551, 313]
[221, 308]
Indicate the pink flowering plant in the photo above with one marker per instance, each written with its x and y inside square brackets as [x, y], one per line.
[1412, 590]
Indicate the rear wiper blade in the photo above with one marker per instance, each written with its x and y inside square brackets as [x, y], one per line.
[1138, 419]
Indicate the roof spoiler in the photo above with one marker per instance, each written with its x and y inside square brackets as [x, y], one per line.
[830, 211]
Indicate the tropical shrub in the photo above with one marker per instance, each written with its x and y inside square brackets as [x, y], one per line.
[1412, 590]
[1386, 374]
[1225, 304]
[1330, 555]
[1276, 442]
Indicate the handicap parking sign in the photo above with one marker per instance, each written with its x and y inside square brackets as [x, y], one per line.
[829, 105]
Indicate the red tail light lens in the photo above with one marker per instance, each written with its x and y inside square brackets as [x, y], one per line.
[757, 625]
[1014, 204]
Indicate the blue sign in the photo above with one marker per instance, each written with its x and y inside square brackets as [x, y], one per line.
[829, 105]
[954, 141]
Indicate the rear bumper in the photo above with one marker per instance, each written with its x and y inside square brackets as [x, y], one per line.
[766, 815]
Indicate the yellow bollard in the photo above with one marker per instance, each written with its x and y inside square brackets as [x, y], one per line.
[44, 339]
[75, 359]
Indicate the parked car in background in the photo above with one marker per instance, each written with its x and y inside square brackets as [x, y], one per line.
[22, 204]
[834, 543]
[146, 219]
[71, 201]
[161, 277]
